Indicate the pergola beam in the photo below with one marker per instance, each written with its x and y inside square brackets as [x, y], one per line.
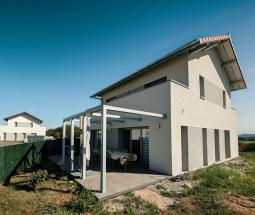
[88, 111]
[133, 111]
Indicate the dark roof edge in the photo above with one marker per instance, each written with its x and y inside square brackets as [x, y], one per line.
[18, 114]
[157, 62]
[201, 41]
[237, 60]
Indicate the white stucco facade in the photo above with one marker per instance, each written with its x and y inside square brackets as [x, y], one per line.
[179, 98]
[192, 87]
[20, 126]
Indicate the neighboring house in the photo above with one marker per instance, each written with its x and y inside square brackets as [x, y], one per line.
[19, 126]
[192, 88]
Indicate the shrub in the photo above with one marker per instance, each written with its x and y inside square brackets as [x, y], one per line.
[84, 201]
[38, 176]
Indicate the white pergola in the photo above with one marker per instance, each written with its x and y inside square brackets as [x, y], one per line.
[84, 118]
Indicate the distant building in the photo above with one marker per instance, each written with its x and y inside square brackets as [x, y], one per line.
[19, 126]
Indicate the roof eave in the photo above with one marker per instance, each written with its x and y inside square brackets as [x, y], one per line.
[159, 61]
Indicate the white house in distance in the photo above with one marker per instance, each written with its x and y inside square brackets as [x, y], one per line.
[19, 126]
[174, 114]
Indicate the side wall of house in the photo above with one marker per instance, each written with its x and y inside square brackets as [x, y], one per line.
[154, 99]
[195, 113]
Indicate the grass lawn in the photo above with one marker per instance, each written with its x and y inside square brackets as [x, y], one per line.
[227, 188]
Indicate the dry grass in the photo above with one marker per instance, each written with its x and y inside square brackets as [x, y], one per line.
[22, 198]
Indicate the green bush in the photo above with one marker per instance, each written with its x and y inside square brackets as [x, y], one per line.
[38, 176]
[84, 201]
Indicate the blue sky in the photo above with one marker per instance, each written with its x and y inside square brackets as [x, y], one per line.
[55, 54]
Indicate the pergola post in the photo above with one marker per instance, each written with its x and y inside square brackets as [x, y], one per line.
[84, 129]
[63, 144]
[72, 144]
[103, 150]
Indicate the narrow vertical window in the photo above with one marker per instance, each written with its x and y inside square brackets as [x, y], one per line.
[202, 86]
[224, 98]
[227, 144]
[16, 124]
[31, 124]
[205, 154]
[217, 145]
[184, 148]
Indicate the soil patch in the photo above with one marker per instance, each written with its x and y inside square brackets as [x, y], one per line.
[240, 204]
[154, 198]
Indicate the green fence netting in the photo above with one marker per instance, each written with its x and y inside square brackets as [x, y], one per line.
[15, 157]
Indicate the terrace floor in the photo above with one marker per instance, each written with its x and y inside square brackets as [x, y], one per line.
[118, 182]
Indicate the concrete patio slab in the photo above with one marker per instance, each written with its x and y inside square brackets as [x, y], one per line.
[118, 183]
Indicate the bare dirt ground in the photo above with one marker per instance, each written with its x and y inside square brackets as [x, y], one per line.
[154, 198]
[241, 204]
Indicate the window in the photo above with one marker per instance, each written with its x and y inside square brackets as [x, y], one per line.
[205, 154]
[217, 145]
[16, 124]
[224, 98]
[184, 148]
[202, 86]
[153, 83]
[110, 99]
[32, 125]
[227, 144]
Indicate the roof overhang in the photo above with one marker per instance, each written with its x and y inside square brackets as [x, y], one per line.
[226, 51]
[24, 114]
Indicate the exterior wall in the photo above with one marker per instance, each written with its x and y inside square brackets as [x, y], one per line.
[188, 109]
[154, 99]
[176, 69]
[180, 100]
[10, 129]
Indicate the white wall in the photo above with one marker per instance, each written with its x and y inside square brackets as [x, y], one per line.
[154, 99]
[176, 69]
[188, 109]
[184, 107]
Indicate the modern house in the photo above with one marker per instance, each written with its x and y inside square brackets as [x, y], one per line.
[19, 126]
[174, 114]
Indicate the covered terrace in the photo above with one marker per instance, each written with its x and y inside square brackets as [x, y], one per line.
[106, 184]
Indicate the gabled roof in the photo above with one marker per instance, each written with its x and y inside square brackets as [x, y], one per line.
[24, 114]
[225, 49]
